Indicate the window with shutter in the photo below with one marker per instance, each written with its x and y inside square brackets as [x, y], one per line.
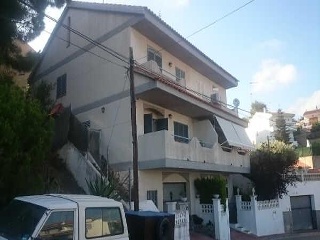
[61, 86]
[181, 132]
[155, 56]
[180, 74]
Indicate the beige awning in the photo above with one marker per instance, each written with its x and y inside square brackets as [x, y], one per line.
[235, 134]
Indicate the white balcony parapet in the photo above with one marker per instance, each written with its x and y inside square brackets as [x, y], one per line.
[164, 146]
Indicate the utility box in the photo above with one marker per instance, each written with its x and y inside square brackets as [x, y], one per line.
[147, 225]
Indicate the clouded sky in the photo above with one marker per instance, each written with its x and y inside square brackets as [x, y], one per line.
[271, 46]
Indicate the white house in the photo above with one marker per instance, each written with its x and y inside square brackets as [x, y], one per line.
[184, 128]
[262, 126]
[311, 117]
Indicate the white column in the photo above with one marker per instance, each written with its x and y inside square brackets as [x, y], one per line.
[238, 206]
[254, 210]
[217, 217]
[171, 207]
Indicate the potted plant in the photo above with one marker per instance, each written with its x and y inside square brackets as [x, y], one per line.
[183, 196]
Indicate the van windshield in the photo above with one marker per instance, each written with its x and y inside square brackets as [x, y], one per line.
[19, 219]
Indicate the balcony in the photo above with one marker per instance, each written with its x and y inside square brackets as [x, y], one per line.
[159, 150]
[162, 90]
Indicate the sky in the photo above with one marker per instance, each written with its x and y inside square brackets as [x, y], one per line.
[271, 46]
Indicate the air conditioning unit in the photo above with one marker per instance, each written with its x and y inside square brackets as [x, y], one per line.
[215, 98]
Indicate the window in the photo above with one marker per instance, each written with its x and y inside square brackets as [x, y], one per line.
[180, 74]
[103, 222]
[155, 56]
[153, 195]
[153, 125]
[59, 226]
[181, 132]
[61, 86]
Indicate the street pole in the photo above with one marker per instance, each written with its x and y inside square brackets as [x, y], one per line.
[134, 135]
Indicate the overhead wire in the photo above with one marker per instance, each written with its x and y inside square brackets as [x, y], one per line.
[118, 107]
[86, 50]
[203, 28]
[124, 59]
[87, 38]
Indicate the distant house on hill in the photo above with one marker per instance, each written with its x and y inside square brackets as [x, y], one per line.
[262, 127]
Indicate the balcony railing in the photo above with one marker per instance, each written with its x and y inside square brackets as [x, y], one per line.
[309, 177]
[152, 70]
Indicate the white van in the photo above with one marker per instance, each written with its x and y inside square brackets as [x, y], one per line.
[63, 217]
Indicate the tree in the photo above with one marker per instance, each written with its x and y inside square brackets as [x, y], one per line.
[281, 132]
[25, 141]
[257, 107]
[21, 20]
[272, 166]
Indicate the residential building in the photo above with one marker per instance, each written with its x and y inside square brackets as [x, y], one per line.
[185, 131]
[311, 117]
[262, 126]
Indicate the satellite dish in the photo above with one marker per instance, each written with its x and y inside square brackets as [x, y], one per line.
[236, 102]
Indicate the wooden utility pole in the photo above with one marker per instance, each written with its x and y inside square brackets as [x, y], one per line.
[134, 136]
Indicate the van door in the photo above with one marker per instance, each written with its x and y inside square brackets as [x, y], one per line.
[60, 225]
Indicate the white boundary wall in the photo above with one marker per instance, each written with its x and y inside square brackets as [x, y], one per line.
[205, 211]
[310, 185]
[181, 228]
[262, 218]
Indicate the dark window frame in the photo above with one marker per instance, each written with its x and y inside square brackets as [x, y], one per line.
[181, 132]
[153, 195]
[61, 86]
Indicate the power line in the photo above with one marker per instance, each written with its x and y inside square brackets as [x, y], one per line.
[205, 27]
[221, 18]
[95, 43]
[86, 50]
[122, 58]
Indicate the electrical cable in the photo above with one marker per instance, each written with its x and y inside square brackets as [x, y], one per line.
[86, 50]
[95, 43]
[203, 28]
[118, 56]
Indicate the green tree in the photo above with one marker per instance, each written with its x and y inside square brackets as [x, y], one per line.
[281, 132]
[257, 107]
[272, 169]
[25, 141]
[19, 21]
[41, 92]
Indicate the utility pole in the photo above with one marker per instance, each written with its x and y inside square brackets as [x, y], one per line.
[134, 135]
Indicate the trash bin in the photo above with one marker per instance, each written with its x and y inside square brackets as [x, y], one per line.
[147, 225]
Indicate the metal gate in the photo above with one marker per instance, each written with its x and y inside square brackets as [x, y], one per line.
[301, 212]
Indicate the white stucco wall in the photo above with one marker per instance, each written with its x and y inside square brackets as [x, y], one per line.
[150, 181]
[194, 80]
[92, 25]
[302, 188]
